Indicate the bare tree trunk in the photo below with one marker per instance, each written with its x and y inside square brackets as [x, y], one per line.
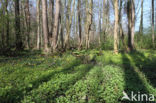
[62, 25]
[51, 12]
[131, 24]
[45, 25]
[55, 30]
[27, 12]
[153, 37]
[69, 22]
[17, 27]
[121, 32]
[104, 19]
[107, 16]
[38, 24]
[116, 27]
[7, 22]
[79, 23]
[141, 20]
[89, 14]
[3, 23]
[100, 28]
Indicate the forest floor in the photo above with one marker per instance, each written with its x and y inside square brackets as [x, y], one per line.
[91, 76]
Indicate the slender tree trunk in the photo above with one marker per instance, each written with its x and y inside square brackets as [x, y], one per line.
[153, 37]
[3, 23]
[51, 17]
[89, 14]
[104, 20]
[107, 17]
[62, 25]
[116, 27]
[131, 24]
[7, 22]
[79, 23]
[69, 22]
[17, 27]
[45, 25]
[141, 20]
[100, 29]
[56, 23]
[120, 26]
[38, 25]
[27, 12]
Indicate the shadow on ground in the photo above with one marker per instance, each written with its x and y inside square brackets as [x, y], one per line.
[15, 94]
[134, 64]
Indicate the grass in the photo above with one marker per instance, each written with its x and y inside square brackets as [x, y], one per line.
[91, 76]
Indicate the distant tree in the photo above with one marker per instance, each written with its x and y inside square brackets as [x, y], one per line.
[69, 17]
[121, 32]
[141, 20]
[104, 19]
[153, 36]
[89, 21]
[7, 22]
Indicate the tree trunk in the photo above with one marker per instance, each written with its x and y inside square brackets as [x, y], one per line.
[131, 24]
[89, 14]
[27, 12]
[38, 24]
[141, 20]
[153, 37]
[3, 25]
[45, 25]
[116, 27]
[104, 20]
[79, 23]
[55, 29]
[100, 30]
[69, 22]
[17, 27]
[7, 22]
[62, 25]
[51, 12]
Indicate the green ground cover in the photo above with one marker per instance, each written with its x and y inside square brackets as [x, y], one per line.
[92, 76]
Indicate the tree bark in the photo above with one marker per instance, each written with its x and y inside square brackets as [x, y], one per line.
[7, 22]
[38, 25]
[62, 25]
[131, 24]
[69, 22]
[79, 23]
[153, 36]
[45, 25]
[89, 14]
[19, 43]
[116, 27]
[27, 12]
[104, 20]
[141, 20]
[51, 12]
[55, 29]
